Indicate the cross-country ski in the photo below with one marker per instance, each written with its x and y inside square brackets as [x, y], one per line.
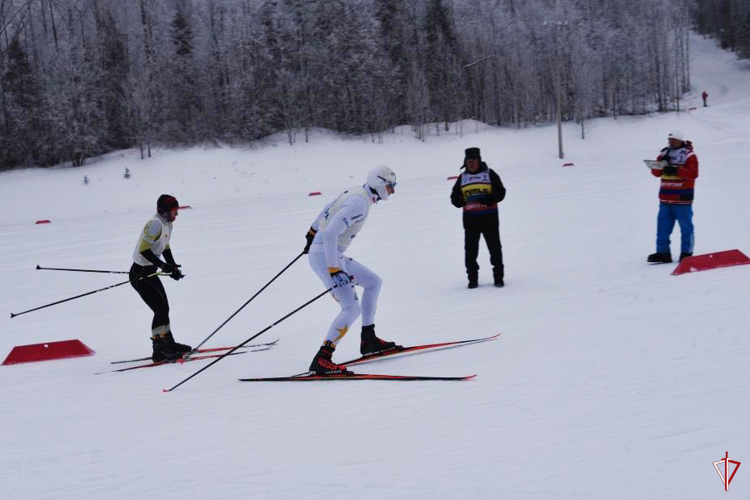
[417, 349]
[175, 361]
[254, 348]
[313, 377]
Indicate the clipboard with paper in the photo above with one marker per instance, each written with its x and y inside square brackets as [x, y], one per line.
[655, 164]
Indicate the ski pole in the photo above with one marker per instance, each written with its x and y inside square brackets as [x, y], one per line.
[248, 340]
[246, 303]
[13, 315]
[40, 268]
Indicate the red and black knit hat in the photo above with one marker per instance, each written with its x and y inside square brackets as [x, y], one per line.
[166, 202]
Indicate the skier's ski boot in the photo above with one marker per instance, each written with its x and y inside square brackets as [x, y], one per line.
[164, 350]
[685, 255]
[499, 282]
[659, 258]
[370, 344]
[322, 363]
[175, 345]
[473, 281]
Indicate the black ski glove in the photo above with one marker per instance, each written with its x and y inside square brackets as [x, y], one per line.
[176, 274]
[168, 267]
[669, 170]
[173, 270]
[339, 277]
[310, 236]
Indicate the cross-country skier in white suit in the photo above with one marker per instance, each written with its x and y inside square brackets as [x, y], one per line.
[327, 240]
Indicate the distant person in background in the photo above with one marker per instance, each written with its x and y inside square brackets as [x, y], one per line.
[153, 242]
[704, 95]
[675, 197]
[327, 239]
[478, 190]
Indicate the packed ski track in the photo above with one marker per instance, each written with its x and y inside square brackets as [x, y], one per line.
[611, 379]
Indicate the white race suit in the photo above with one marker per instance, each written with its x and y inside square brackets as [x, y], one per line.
[336, 225]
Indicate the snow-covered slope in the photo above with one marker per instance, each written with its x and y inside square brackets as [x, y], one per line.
[612, 378]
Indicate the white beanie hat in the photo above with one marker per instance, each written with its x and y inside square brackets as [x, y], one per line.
[676, 134]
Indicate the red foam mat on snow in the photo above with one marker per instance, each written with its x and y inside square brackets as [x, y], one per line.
[711, 261]
[48, 351]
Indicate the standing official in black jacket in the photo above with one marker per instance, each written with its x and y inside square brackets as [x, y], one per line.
[478, 190]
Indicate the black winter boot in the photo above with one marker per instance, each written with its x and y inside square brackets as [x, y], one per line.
[370, 344]
[164, 350]
[659, 258]
[473, 281]
[322, 364]
[176, 346]
[685, 255]
[499, 282]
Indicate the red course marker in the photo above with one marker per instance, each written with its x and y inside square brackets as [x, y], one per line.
[708, 261]
[47, 351]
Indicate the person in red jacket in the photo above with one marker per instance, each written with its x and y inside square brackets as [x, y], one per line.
[675, 197]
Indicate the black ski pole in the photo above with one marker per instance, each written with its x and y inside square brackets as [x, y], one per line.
[246, 303]
[13, 315]
[248, 340]
[40, 268]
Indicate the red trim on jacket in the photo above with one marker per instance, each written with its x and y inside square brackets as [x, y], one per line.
[679, 188]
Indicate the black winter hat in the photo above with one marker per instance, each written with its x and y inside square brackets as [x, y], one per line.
[473, 153]
[166, 202]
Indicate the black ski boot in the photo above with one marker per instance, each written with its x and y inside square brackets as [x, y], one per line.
[164, 350]
[370, 344]
[175, 345]
[685, 255]
[322, 364]
[473, 281]
[659, 258]
[499, 282]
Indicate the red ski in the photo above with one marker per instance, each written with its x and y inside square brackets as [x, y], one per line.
[311, 377]
[260, 347]
[181, 360]
[415, 350]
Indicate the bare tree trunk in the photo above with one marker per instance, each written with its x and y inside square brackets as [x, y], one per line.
[54, 26]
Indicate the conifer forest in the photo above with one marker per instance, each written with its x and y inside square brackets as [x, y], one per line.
[79, 78]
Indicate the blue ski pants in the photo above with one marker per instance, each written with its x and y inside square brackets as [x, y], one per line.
[668, 214]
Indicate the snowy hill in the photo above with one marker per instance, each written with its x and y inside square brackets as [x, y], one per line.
[612, 378]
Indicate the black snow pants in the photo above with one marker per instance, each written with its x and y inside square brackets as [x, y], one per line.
[152, 292]
[489, 227]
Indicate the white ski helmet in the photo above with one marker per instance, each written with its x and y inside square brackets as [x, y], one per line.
[379, 179]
